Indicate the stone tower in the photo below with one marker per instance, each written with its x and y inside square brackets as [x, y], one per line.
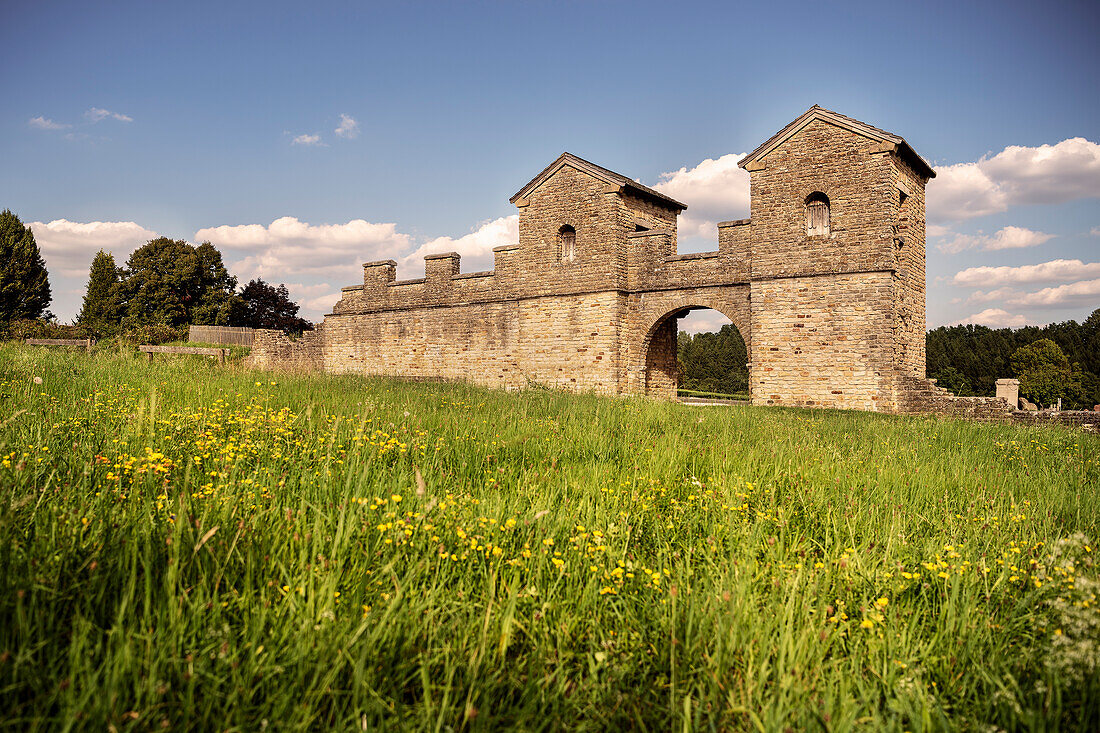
[837, 252]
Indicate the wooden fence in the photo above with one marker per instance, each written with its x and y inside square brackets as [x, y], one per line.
[227, 335]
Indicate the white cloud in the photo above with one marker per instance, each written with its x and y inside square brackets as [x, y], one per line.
[1083, 292]
[97, 114]
[315, 300]
[986, 296]
[1055, 271]
[995, 318]
[1095, 231]
[288, 245]
[702, 321]
[1008, 238]
[348, 128]
[307, 140]
[476, 248]
[68, 246]
[1018, 175]
[714, 191]
[45, 123]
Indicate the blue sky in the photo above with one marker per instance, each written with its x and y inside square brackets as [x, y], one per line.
[305, 139]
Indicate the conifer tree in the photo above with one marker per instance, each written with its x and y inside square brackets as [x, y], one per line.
[24, 282]
[101, 314]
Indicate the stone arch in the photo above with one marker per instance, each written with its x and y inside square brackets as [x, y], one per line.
[656, 361]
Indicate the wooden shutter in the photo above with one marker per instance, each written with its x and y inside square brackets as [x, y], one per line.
[817, 218]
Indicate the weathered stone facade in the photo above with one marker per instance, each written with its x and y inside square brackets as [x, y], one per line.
[825, 281]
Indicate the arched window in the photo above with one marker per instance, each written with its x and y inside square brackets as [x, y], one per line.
[567, 238]
[817, 214]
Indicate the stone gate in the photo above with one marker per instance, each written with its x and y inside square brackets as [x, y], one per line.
[825, 282]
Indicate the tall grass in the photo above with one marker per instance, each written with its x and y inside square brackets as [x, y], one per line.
[189, 547]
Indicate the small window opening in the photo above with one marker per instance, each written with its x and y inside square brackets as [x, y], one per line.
[817, 214]
[567, 238]
[640, 228]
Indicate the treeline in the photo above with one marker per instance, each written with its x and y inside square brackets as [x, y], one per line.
[166, 284]
[968, 360]
[1058, 361]
[713, 362]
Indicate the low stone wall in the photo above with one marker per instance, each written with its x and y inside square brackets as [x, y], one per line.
[923, 397]
[1088, 419]
[275, 350]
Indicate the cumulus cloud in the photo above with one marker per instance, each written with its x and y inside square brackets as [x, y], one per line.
[995, 318]
[307, 140]
[315, 300]
[45, 123]
[476, 248]
[702, 321]
[348, 127]
[97, 114]
[1095, 231]
[714, 191]
[1018, 175]
[986, 296]
[68, 246]
[1054, 271]
[1081, 292]
[289, 245]
[1008, 238]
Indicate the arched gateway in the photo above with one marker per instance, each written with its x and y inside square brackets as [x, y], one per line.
[825, 282]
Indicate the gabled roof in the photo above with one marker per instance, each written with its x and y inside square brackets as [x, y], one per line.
[903, 149]
[601, 173]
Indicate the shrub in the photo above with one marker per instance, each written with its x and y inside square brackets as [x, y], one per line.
[154, 334]
[39, 328]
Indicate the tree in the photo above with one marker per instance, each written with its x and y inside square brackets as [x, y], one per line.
[983, 355]
[24, 282]
[1045, 373]
[713, 362]
[218, 304]
[100, 314]
[953, 381]
[266, 306]
[170, 282]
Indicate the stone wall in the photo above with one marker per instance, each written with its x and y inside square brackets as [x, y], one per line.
[275, 350]
[557, 341]
[830, 319]
[823, 341]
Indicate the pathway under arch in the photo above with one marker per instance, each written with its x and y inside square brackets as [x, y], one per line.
[654, 367]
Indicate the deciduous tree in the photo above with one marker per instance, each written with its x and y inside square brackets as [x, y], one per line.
[1045, 373]
[169, 281]
[267, 306]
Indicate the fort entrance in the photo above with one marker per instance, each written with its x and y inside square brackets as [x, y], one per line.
[825, 283]
[662, 368]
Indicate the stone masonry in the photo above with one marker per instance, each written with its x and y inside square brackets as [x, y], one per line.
[825, 282]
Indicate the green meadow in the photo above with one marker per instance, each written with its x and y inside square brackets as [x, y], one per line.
[187, 547]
